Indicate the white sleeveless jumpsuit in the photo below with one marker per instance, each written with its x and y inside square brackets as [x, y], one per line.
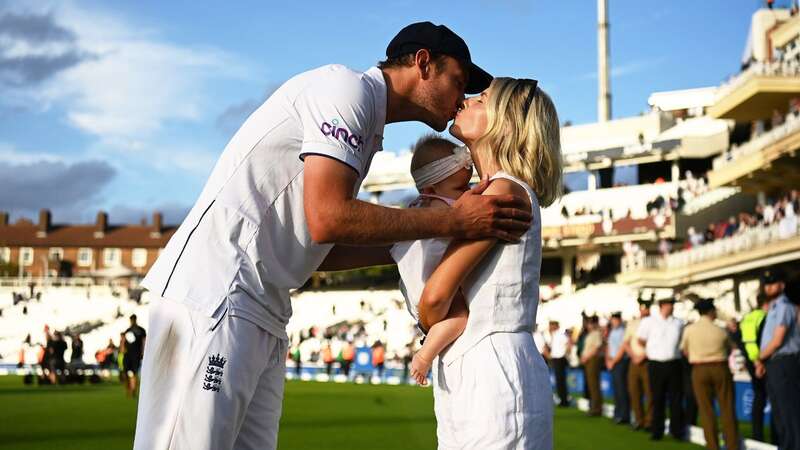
[491, 387]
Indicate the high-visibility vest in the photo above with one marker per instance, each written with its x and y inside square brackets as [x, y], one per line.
[349, 352]
[749, 327]
[378, 355]
[327, 355]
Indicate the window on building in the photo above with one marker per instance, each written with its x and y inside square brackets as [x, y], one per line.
[5, 255]
[112, 257]
[25, 256]
[84, 257]
[56, 254]
[139, 257]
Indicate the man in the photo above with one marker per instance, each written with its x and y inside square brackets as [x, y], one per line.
[661, 336]
[707, 347]
[617, 363]
[558, 345]
[580, 340]
[281, 195]
[779, 359]
[76, 357]
[56, 348]
[134, 339]
[638, 377]
[591, 358]
[379, 358]
[748, 339]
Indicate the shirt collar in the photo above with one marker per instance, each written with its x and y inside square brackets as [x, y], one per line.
[780, 299]
[378, 84]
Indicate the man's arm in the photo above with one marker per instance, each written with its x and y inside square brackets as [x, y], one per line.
[618, 358]
[774, 344]
[642, 332]
[589, 354]
[628, 348]
[333, 214]
[345, 257]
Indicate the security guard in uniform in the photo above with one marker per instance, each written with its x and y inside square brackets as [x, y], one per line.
[592, 361]
[750, 329]
[661, 335]
[708, 346]
[638, 379]
[779, 359]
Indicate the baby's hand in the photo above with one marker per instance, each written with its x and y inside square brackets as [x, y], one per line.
[419, 369]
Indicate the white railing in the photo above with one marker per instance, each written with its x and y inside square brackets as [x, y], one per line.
[776, 68]
[24, 282]
[619, 201]
[790, 126]
[707, 199]
[744, 241]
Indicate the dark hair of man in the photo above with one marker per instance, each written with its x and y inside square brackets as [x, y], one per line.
[407, 60]
[133, 317]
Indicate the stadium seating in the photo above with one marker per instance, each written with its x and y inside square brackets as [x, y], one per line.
[98, 312]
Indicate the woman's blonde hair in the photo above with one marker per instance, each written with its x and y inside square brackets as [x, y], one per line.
[523, 136]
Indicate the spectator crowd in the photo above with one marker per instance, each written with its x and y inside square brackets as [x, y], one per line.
[53, 367]
[658, 362]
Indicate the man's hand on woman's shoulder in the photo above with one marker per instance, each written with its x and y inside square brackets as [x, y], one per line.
[492, 209]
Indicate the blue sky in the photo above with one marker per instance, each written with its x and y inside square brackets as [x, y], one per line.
[126, 107]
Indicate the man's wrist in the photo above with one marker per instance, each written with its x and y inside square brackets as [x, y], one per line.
[452, 226]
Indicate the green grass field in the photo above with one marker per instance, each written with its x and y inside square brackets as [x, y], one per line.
[316, 415]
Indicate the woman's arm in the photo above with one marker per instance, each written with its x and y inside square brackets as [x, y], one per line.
[459, 260]
[443, 333]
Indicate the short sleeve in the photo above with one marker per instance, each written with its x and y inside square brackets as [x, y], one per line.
[628, 334]
[336, 116]
[644, 330]
[684, 341]
[785, 314]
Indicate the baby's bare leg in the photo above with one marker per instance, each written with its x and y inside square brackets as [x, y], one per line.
[439, 337]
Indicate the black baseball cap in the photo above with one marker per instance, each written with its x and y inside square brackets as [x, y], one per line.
[774, 275]
[439, 39]
[704, 305]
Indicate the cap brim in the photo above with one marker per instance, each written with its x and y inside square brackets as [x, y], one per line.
[479, 80]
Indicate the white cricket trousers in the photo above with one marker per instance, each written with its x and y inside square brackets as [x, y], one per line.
[496, 396]
[208, 382]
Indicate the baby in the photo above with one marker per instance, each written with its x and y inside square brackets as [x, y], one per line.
[441, 171]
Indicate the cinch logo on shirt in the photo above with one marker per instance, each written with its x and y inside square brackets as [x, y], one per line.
[342, 134]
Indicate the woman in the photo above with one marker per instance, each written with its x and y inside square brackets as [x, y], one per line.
[491, 386]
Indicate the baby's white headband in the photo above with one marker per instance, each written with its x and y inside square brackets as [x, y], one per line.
[438, 170]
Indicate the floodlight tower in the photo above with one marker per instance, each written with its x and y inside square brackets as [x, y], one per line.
[604, 91]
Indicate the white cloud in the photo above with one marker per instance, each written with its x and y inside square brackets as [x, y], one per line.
[194, 162]
[133, 84]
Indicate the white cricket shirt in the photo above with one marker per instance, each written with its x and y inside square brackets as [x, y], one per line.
[246, 239]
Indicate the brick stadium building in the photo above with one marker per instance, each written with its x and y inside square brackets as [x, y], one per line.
[63, 250]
